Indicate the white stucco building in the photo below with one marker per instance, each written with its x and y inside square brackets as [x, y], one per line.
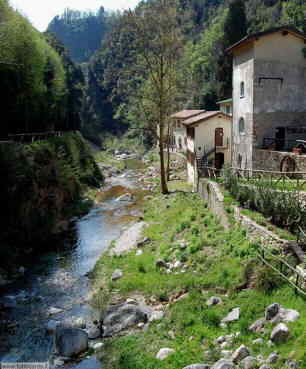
[208, 139]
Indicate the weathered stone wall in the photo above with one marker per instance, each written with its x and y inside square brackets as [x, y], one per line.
[210, 192]
[271, 160]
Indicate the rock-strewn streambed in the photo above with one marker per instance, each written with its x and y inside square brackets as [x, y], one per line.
[50, 304]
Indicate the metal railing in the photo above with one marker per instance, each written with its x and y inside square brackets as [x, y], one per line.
[35, 136]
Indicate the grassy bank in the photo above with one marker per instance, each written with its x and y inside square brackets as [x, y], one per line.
[41, 188]
[215, 262]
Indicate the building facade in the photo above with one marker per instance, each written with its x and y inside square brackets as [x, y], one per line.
[208, 139]
[178, 130]
[269, 97]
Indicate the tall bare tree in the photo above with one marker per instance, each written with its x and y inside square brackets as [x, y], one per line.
[158, 44]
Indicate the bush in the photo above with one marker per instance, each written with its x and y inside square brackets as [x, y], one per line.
[266, 280]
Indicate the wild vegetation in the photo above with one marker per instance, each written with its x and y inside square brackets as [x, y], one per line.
[282, 205]
[214, 262]
[41, 191]
[35, 81]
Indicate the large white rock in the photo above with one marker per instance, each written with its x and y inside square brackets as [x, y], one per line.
[164, 353]
[280, 333]
[117, 274]
[53, 310]
[197, 366]
[232, 316]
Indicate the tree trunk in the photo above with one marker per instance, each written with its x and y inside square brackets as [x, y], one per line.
[163, 182]
[168, 154]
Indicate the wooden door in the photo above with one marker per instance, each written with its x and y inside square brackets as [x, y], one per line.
[219, 137]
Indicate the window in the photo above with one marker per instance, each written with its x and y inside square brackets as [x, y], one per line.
[242, 89]
[180, 143]
[241, 126]
[239, 161]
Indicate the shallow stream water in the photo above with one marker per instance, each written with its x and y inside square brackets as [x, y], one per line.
[60, 279]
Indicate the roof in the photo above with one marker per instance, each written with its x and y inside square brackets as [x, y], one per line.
[185, 114]
[204, 116]
[254, 36]
[224, 101]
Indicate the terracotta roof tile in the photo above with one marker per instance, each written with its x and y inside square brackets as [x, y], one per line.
[185, 114]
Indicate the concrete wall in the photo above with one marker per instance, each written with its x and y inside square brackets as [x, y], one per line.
[243, 108]
[279, 48]
[271, 160]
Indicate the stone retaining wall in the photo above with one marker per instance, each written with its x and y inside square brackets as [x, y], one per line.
[210, 192]
[271, 160]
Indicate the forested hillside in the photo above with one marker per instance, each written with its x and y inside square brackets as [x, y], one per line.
[41, 90]
[81, 32]
[207, 28]
[37, 82]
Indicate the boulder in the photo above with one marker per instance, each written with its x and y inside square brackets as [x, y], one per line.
[241, 353]
[213, 301]
[161, 264]
[258, 325]
[272, 358]
[93, 332]
[156, 315]
[258, 342]
[264, 366]
[223, 364]
[164, 353]
[272, 311]
[232, 316]
[52, 325]
[121, 317]
[286, 315]
[74, 322]
[197, 366]
[249, 362]
[71, 341]
[292, 364]
[280, 333]
[117, 274]
[53, 310]
[97, 345]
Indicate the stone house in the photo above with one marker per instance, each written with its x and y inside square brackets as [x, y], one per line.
[178, 130]
[269, 100]
[208, 140]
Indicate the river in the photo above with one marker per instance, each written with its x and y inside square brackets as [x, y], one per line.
[60, 279]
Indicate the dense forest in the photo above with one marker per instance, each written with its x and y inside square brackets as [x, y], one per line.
[39, 84]
[81, 32]
[115, 76]
[42, 182]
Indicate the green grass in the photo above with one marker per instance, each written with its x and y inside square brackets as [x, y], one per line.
[216, 263]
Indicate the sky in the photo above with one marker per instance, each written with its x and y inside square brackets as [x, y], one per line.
[41, 12]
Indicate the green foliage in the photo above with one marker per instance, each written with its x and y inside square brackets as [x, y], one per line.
[34, 80]
[81, 32]
[213, 269]
[42, 190]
